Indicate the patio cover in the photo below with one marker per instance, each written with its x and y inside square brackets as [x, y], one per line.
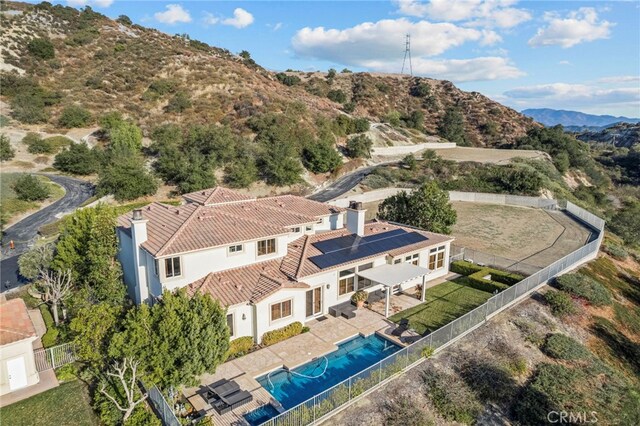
[390, 275]
[398, 273]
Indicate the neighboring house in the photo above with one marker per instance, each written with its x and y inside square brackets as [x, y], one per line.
[271, 261]
[17, 334]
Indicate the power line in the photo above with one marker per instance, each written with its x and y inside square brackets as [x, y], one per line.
[407, 53]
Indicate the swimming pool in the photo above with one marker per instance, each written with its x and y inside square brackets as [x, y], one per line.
[308, 380]
[260, 415]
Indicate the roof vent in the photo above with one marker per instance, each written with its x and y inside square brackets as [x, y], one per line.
[238, 286]
[177, 211]
[204, 193]
[137, 214]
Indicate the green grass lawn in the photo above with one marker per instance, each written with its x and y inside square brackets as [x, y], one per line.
[68, 404]
[445, 302]
[11, 206]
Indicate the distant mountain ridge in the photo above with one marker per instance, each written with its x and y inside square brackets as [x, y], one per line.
[553, 117]
[620, 135]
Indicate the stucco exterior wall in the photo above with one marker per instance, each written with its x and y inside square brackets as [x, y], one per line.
[22, 348]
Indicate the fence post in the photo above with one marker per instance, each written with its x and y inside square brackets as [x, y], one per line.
[350, 387]
[53, 358]
[314, 407]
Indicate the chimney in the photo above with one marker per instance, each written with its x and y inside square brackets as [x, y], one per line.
[355, 218]
[139, 236]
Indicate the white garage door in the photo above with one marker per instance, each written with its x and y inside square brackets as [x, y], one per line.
[17, 373]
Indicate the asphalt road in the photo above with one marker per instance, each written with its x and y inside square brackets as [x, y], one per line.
[342, 185]
[24, 232]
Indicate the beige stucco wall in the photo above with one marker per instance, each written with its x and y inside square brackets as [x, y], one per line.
[22, 348]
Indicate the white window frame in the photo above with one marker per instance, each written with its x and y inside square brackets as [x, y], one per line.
[233, 324]
[296, 230]
[350, 275]
[412, 258]
[439, 253]
[171, 261]
[275, 247]
[234, 250]
[280, 302]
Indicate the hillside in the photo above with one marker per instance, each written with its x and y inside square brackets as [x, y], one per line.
[552, 117]
[623, 135]
[105, 65]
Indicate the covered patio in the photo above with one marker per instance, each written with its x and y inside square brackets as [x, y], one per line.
[391, 278]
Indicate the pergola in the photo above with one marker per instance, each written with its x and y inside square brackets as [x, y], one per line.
[392, 275]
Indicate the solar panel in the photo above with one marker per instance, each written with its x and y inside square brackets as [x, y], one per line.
[366, 248]
[351, 240]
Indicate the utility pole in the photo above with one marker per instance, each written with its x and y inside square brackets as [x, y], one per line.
[407, 53]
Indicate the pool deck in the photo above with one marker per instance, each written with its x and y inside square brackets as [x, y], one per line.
[322, 338]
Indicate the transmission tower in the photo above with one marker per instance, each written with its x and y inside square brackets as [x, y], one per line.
[407, 54]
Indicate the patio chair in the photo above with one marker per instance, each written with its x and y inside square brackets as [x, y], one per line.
[401, 328]
[226, 388]
[237, 399]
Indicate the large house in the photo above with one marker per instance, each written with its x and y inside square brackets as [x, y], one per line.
[272, 261]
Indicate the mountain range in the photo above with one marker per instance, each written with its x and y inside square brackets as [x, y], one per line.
[553, 117]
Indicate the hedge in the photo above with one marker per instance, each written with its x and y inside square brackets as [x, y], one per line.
[49, 338]
[463, 267]
[272, 337]
[477, 281]
[240, 346]
[500, 280]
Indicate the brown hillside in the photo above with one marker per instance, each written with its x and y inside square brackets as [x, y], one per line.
[107, 65]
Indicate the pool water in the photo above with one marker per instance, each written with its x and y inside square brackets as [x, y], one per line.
[260, 415]
[312, 378]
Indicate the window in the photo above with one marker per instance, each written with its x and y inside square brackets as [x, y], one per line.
[296, 230]
[237, 248]
[172, 267]
[281, 310]
[266, 247]
[319, 221]
[412, 259]
[308, 228]
[436, 257]
[230, 324]
[396, 261]
[346, 284]
[156, 267]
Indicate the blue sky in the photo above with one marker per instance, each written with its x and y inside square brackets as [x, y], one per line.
[558, 54]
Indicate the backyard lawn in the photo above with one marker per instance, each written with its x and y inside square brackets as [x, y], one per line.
[445, 302]
[68, 404]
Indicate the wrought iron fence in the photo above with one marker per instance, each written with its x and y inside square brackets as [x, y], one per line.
[55, 356]
[160, 406]
[325, 404]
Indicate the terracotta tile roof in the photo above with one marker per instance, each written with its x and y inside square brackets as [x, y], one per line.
[296, 263]
[217, 195]
[192, 226]
[15, 324]
[246, 284]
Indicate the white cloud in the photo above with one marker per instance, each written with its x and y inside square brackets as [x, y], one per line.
[174, 14]
[277, 26]
[96, 3]
[241, 18]
[490, 13]
[620, 79]
[564, 63]
[577, 27]
[573, 95]
[457, 70]
[382, 40]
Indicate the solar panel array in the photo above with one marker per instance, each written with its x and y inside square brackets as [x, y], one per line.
[349, 240]
[361, 248]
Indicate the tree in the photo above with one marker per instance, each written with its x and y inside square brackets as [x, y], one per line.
[244, 54]
[179, 103]
[126, 374]
[410, 162]
[124, 20]
[93, 326]
[452, 126]
[30, 188]
[288, 80]
[421, 89]
[626, 222]
[331, 74]
[125, 135]
[74, 116]
[36, 261]
[321, 157]
[359, 147]
[415, 120]
[41, 48]
[110, 120]
[125, 175]
[176, 340]
[241, 174]
[427, 207]
[280, 163]
[54, 288]
[78, 160]
[6, 151]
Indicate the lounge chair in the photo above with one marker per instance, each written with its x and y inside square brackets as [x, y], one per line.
[401, 328]
[224, 389]
[237, 399]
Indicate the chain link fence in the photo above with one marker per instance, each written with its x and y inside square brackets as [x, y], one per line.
[488, 259]
[159, 405]
[327, 403]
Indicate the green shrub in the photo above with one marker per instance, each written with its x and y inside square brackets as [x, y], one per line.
[427, 351]
[337, 96]
[403, 412]
[560, 346]
[585, 287]
[67, 372]
[240, 346]
[51, 336]
[477, 280]
[463, 267]
[288, 80]
[560, 303]
[74, 116]
[6, 151]
[359, 146]
[451, 397]
[179, 103]
[30, 188]
[78, 160]
[272, 337]
[37, 145]
[41, 48]
[615, 250]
